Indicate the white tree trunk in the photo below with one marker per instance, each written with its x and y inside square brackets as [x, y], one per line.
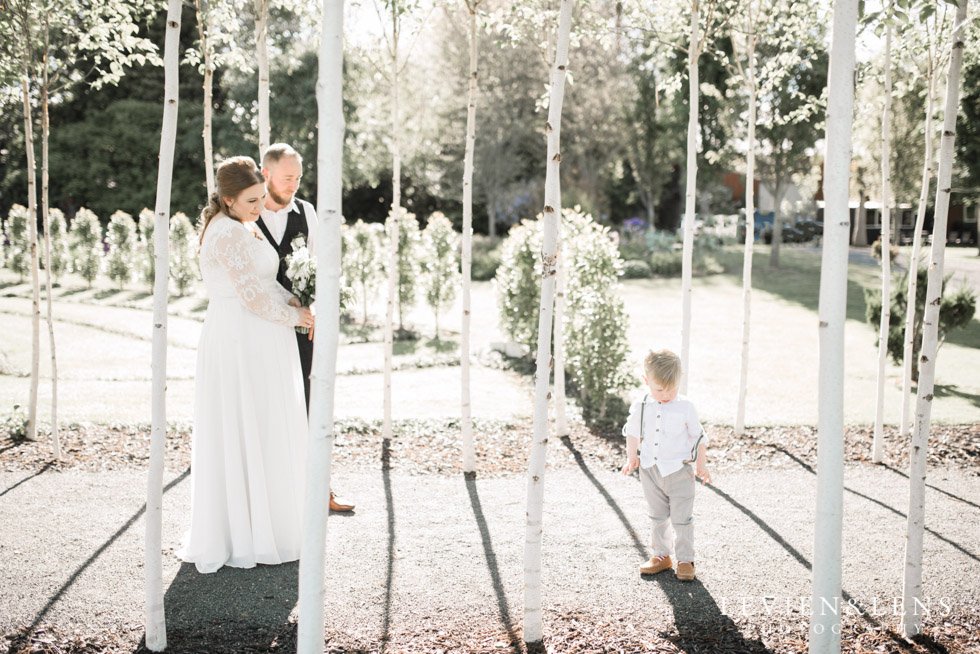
[913, 266]
[743, 378]
[31, 233]
[533, 628]
[689, 216]
[912, 588]
[469, 454]
[202, 20]
[561, 414]
[262, 58]
[825, 604]
[46, 225]
[877, 448]
[394, 218]
[156, 625]
[330, 152]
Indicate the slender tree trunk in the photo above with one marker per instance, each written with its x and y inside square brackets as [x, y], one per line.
[262, 57]
[46, 224]
[561, 417]
[694, 53]
[28, 37]
[877, 448]
[394, 218]
[743, 378]
[861, 220]
[202, 20]
[156, 625]
[913, 267]
[469, 455]
[533, 628]
[912, 587]
[330, 152]
[825, 603]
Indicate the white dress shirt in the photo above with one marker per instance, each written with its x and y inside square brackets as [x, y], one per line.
[276, 221]
[670, 434]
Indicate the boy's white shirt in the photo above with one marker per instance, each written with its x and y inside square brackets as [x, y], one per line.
[671, 430]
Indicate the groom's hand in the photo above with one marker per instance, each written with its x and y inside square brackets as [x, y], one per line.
[312, 328]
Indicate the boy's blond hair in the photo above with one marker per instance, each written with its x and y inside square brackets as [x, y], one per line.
[664, 367]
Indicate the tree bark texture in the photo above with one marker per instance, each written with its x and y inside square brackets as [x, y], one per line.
[202, 24]
[156, 626]
[533, 628]
[743, 377]
[395, 218]
[919, 446]
[693, 54]
[825, 604]
[262, 59]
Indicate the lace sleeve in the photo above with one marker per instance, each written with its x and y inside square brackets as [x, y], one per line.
[233, 253]
[283, 293]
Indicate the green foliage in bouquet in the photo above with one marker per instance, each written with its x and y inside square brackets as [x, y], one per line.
[121, 239]
[183, 253]
[440, 263]
[85, 237]
[363, 259]
[18, 252]
[956, 310]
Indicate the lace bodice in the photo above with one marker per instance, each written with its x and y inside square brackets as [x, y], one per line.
[235, 264]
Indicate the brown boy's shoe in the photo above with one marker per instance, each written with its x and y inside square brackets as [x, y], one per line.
[685, 571]
[337, 506]
[655, 565]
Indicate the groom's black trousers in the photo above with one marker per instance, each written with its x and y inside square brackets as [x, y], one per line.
[306, 362]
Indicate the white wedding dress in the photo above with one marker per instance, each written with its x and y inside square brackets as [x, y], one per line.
[250, 426]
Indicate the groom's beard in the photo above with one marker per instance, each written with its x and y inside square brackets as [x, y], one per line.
[278, 198]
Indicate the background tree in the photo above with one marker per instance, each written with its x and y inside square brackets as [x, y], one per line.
[407, 263]
[440, 264]
[86, 245]
[183, 253]
[147, 265]
[18, 251]
[59, 256]
[363, 260]
[121, 239]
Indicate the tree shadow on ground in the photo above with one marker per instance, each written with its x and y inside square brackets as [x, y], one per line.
[701, 625]
[390, 564]
[952, 390]
[242, 609]
[107, 293]
[968, 336]
[45, 468]
[68, 292]
[503, 611]
[809, 468]
[96, 554]
[935, 488]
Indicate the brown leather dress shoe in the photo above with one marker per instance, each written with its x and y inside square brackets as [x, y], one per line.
[685, 571]
[337, 506]
[655, 565]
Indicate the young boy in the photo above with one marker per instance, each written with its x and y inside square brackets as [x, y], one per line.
[663, 437]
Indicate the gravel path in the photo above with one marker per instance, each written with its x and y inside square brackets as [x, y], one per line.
[436, 560]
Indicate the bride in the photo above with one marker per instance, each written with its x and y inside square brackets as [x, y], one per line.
[250, 425]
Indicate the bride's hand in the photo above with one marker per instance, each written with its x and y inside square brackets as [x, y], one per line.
[305, 317]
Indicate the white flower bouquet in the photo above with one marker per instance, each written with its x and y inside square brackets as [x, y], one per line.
[301, 272]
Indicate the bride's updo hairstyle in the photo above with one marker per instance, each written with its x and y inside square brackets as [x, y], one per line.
[232, 176]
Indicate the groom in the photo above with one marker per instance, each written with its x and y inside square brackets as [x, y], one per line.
[284, 218]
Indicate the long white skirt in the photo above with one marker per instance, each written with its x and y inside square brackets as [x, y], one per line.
[249, 445]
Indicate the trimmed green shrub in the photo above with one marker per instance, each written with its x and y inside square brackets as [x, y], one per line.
[956, 310]
[121, 239]
[439, 250]
[18, 251]
[667, 264]
[87, 250]
[363, 259]
[147, 264]
[518, 282]
[485, 258]
[634, 269]
[183, 252]
[408, 265]
[60, 256]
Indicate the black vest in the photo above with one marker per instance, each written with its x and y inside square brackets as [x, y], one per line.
[295, 224]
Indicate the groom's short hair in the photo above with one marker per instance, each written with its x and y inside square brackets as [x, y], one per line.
[275, 152]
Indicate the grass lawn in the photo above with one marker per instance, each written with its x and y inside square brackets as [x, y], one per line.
[104, 349]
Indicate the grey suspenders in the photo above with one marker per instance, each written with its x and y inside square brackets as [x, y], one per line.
[694, 450]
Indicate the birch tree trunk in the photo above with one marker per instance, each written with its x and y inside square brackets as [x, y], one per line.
[330, 152]
[469, 454]
[561, 417]
[533, 628]
[825, 603]
[394, 218]
[262, 57]
[743, 377]
[913, 266]
[156, 625]
[202, 21]
[694, 53]
[46, 226]
[886, 267]
[912, 587]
